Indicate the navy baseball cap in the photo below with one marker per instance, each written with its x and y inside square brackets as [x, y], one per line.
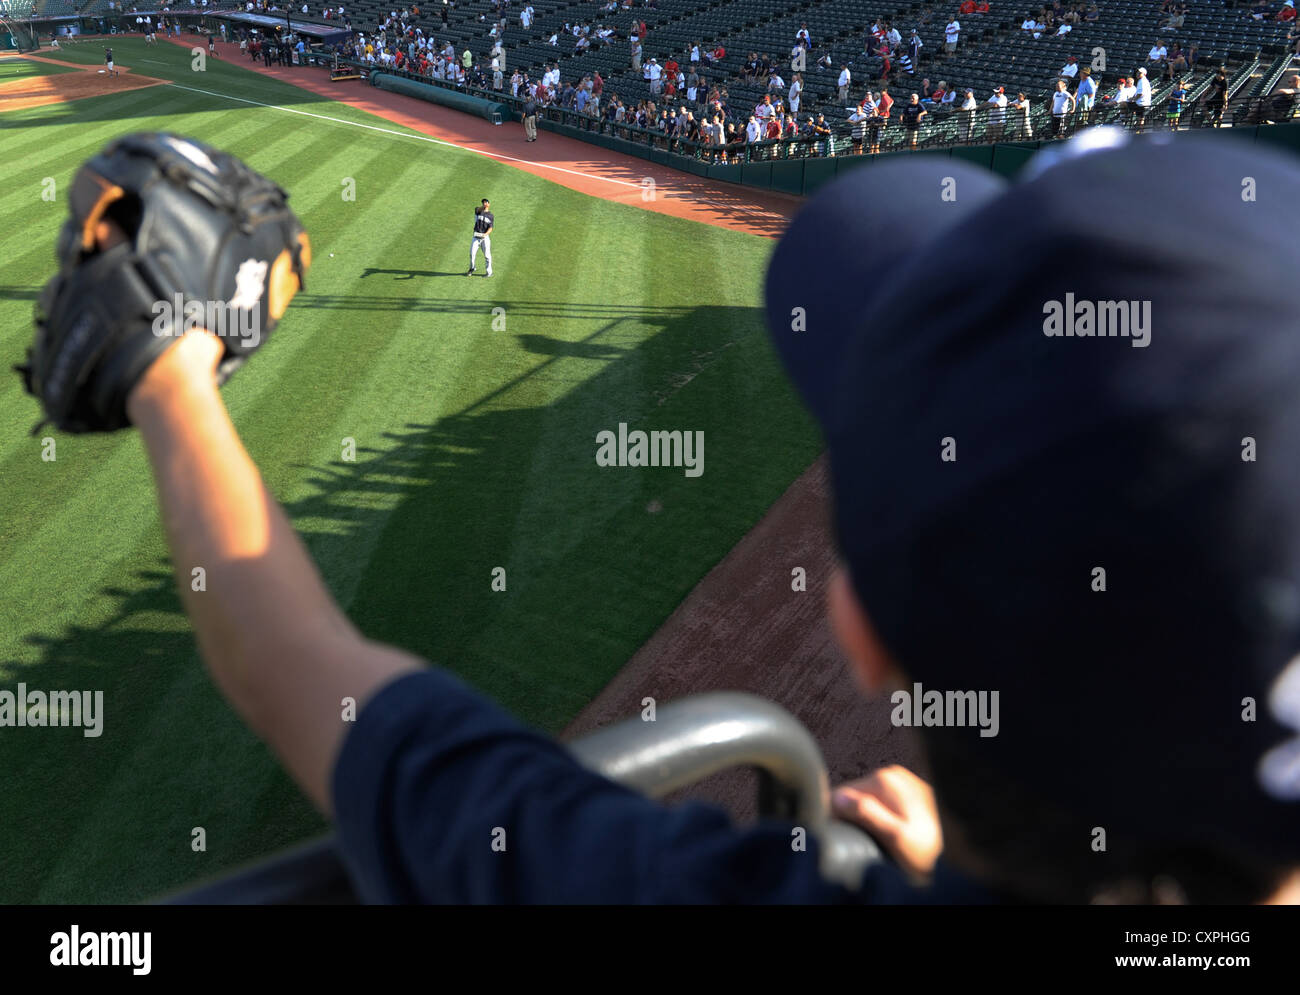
[1063, 420]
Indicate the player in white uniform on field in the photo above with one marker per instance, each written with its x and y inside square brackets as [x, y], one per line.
[483, 222]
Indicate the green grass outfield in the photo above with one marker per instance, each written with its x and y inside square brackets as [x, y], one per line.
[12, 68]
[475, 449]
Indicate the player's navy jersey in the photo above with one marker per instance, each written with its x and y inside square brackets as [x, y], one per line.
[108, 55]
[483, 221]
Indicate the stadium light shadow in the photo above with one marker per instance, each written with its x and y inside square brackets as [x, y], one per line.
[407, 536]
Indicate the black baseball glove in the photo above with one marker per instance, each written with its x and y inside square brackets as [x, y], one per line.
[198, 240]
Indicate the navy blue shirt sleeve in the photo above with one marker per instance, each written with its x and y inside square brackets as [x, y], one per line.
[432, 773]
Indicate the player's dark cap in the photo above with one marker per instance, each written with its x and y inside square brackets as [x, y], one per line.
[986, 470]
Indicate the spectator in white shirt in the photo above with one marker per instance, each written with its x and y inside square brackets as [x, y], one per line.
[1071, 68]
[996, 105]
[1142, 101]
[845, 79]
[950, 35]
[1063, 104]
[968, 108]
[1158, 52]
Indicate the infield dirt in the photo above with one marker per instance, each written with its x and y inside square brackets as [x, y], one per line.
[62, 88]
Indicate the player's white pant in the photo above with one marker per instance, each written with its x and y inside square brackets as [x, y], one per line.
[486, 242]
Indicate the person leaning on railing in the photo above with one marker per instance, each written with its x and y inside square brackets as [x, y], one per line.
[1282, 103]
[858, 119]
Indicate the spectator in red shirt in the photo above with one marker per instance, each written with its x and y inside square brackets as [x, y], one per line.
[967, 7]
[1287, 13]
[670, 68]
[982, 7]
[597, 83]
[883, 103]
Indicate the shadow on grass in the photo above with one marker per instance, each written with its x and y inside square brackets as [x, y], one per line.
[408, 274]
[596, 559]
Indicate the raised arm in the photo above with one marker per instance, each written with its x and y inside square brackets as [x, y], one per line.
[277, 645]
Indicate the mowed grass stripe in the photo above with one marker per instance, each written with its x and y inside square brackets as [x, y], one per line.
[24, 205]
[236, 763]
[495, 445]
[22, 453]
[62, 160]
[636, 531]
[476, 449]
[90, 122]
[418, 377]
[18, 453]
[308, 341]
[23, 464]
[224, 766]
[83, 483]
[230, 131]
[325, 353]
[623, 392]
[545, 533]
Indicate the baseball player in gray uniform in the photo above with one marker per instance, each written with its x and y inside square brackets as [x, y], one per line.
[483, 222]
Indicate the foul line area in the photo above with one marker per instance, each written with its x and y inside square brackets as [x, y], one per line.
[407, 134]
[567, 161]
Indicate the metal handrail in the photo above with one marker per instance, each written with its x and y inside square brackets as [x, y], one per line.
[704, 734]
[688, 740]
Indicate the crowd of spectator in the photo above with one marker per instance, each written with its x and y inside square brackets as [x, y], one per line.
[688, 100]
